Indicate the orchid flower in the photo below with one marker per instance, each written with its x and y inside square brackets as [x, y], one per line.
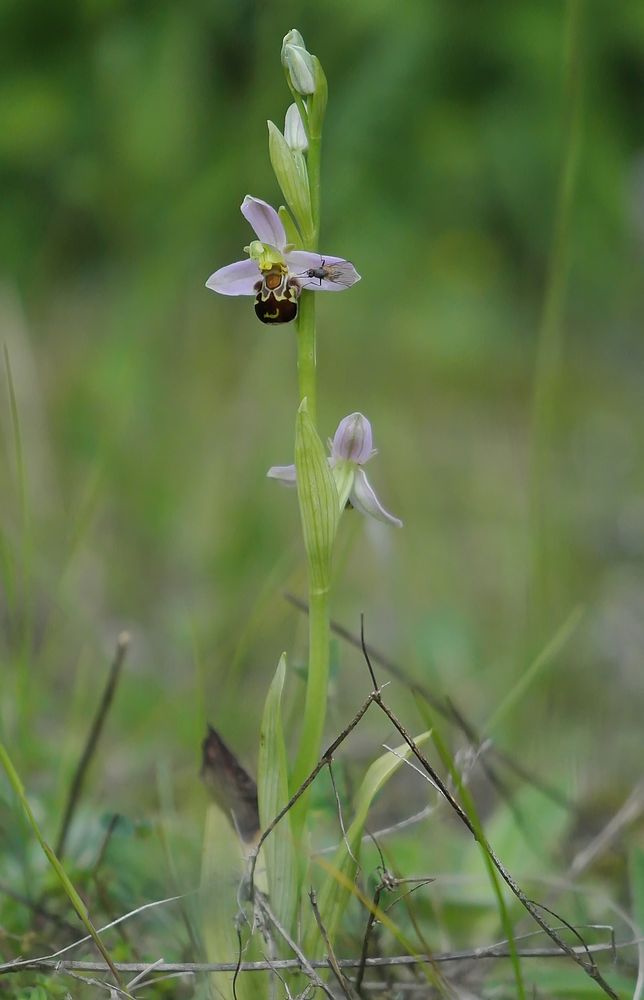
[351, 448]
[274, 272]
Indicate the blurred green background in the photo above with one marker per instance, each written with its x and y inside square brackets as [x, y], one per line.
[149, 408]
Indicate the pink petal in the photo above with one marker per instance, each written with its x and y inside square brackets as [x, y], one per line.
[265, 221]
[239, 278]
[353, 439]
[365, 500]
[285, 474]
[342, 273]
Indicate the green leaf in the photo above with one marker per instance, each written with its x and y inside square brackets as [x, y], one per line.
[290, 170]
[317, 102]
[318, 498]
[292, 232]
[272, 790]
[335, 894]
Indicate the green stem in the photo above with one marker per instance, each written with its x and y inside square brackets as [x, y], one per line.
[306, 359]
[319, 620]
[319, 624]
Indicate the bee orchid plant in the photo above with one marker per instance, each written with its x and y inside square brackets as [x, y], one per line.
[282, 271]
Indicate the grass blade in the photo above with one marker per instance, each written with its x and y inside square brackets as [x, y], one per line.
[469, 807]
[543, 659]
[68, 888]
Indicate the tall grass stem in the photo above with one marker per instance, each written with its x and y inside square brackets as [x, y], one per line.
[550, 339]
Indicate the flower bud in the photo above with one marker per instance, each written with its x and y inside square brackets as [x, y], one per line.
[292, 37]
[294, 130]
[298, 63]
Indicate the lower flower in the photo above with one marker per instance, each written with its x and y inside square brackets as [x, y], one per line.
[351, 448]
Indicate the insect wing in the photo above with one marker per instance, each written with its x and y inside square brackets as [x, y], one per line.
[340, 273]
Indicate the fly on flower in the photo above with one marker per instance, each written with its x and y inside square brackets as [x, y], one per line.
[273, 272]
[339, 273]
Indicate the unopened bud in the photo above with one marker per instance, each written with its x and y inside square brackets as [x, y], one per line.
[292, 37]
[294, 130]
[298, 62]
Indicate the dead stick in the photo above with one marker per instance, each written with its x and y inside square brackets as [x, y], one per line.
[465, 955]
[304, 963]
[589, 968]
[344, 984]
[91, 743]
[367, 934]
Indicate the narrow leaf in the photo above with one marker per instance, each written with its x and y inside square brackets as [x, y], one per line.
[292, 178]
[292, 232]
[318, 498]
[272, 787]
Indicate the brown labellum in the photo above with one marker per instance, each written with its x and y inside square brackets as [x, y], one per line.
[276, 299]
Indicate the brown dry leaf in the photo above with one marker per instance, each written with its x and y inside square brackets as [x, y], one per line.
[230, 785]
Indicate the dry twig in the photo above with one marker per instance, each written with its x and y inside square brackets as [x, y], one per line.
[445, 708]
[590, 967]
[343, 982]
[96, 728]
[495, 951]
